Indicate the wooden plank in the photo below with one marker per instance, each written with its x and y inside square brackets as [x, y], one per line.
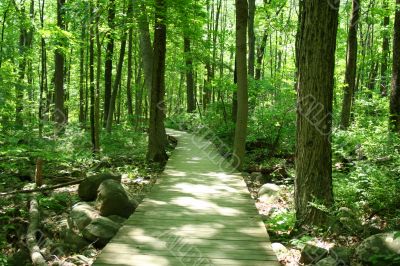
[197, 214]
[195, 210]
[225, 247]
[156, 260]
[140, 234]
[179, 221]
[206, 229]
[186, 251]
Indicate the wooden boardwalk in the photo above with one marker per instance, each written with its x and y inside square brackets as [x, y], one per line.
[198, 213]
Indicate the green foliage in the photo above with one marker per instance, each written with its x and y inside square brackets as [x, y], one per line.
[281, 222]
[367, 157]
[58, 202]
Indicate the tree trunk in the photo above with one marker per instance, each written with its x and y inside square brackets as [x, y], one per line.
[59, 111]
[146, 48]
[252, 38]
[108, 62]
[385, 51]
[92, 84]
[300, 28]
[395, 94]
[260, 55]
[313, 182]
[242, 95]
[351, 66]
[43, 75]
[157, 136]
[129, 78]
[82, 76]
[96, 147]
[3, 27]
[117, 82]
[191, 106]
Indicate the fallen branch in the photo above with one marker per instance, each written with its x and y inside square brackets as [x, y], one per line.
[41, 189]
[34, 249]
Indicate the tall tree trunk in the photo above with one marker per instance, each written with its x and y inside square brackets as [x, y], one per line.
[313, 182]
[395, 94]
[234, 95]
[82, 76]
[300, 28]
[129, 78]
[242, 95]
[260, 55]
[21, 84]
[146, 48]
[385, 51]
[43, 71]
[191, 106]
[59, 111]
[109, 62]
[252, 38]
[157, 136]
[96, 147]
[138, 99]
[351, 66]
[92, 83]
[3, 24]
[117, 82]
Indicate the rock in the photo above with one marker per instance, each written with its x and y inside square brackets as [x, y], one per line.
[280, 250]
[268, 192]
[100, 231]
[312, 254]
[73, 241]
[113, 200]
[383, 247]
[328, 261]
[117, 219]
[342, 255]
[81, 215]
[88, 188]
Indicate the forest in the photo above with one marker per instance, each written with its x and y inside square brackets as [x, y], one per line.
[301, 97]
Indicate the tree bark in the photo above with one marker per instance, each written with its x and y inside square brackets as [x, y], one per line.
[242, 94]
[191, 106]
[92, 83]
[96, 147]
[117, 82]
[157, 136]
[395, 94]
[313, 182]
[251, 36]
[351, 66]
[385, 51]
[109, 62]
[82, 76]
[146, 48]
[129, 78]
[59, 111]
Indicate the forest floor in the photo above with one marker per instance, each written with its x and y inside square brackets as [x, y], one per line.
[278, 212]
[66, 159]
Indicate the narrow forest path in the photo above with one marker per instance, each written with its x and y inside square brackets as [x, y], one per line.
[198, 213]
